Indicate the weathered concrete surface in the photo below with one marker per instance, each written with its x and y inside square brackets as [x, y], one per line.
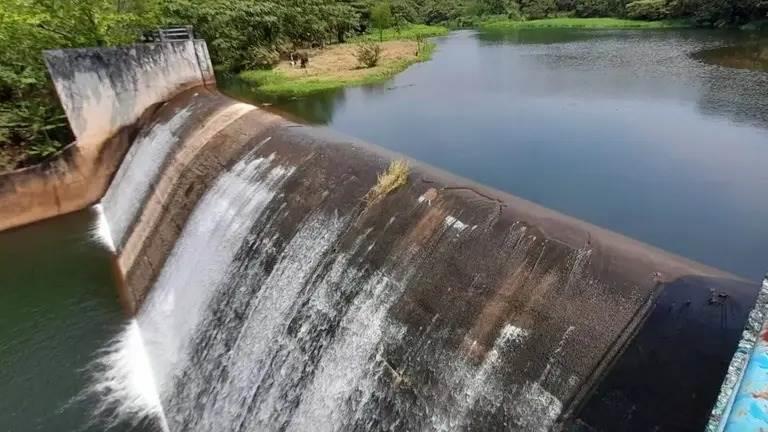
[211, 140]
[743, 401]
[73, 180]
[481, 264]
[157, 155]
[105, 92]
[105, 89]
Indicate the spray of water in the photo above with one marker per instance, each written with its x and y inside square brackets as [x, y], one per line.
[100, 231]
[122, 384]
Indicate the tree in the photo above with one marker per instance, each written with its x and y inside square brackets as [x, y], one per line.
[381, 18]
[32, 124]
[342, 19]
[536, 9]
[441, 11]
[647, 9]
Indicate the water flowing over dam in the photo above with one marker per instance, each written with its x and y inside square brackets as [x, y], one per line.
[270, 292]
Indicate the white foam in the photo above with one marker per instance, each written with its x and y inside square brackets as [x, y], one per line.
[199, 262]
[455, 223]
[135, 372]
[123, 382]
[138, 173]
[100, 230]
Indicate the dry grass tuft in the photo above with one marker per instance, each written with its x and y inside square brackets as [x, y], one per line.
[394, 177]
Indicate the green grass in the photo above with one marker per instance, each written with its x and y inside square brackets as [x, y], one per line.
[274, 84]
[410, 32]
[585, 23]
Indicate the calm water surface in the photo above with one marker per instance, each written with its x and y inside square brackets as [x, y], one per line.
[58, 306]
[630, 130]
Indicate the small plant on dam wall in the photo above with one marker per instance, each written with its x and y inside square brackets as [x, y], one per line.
[390, 180]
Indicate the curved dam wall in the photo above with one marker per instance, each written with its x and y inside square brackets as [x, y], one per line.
[272, 294]
[107, 93]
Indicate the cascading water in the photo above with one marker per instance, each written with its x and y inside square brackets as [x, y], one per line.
[122, 382]
[100, 231]
[246, 330]
[139, 171]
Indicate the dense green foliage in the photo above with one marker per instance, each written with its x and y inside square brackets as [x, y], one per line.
[32, 125]
[381, 18]
[700, 12]
[408, 32]
[254, 34]
[648, 9]
[242, 34]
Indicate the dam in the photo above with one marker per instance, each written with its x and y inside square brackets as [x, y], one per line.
[268, 288]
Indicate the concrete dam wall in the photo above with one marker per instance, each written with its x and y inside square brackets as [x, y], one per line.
[107, 94]
[269, 293]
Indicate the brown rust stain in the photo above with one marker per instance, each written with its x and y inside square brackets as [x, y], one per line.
[424, 229]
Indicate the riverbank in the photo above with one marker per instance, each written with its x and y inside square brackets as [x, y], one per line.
[583, 23]
[336, 66]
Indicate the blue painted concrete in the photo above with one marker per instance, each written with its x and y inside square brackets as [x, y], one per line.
[749, 408]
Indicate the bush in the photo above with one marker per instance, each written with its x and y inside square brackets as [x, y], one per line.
[599, 8]
[537, 9]
[368, 54]
[648, 10]
[513, 12]
[260, 57]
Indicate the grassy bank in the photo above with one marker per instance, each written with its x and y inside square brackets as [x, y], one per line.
[284, 81]
[336, 66]
[410, 32]
[582, 23]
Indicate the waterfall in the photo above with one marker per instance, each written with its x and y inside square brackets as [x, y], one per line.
[122, 383]
[250, 327]
[100, 231]
[139, 171]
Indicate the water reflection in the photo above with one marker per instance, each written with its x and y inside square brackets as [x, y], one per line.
[317, 109]
[626, 129]
[752, 55]
[537, 36]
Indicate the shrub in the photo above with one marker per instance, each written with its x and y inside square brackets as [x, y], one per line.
[368, 54]
[537, 9]
[513, 12]
[260, 57]
[648, 9]
[599, 8]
